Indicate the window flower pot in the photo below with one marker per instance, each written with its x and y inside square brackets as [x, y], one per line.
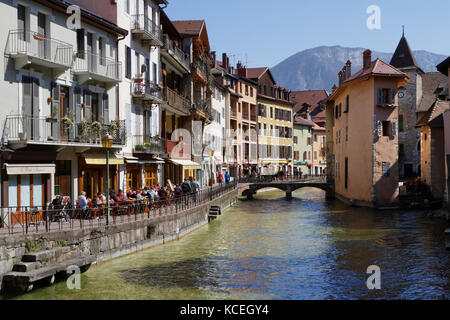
[38, 37]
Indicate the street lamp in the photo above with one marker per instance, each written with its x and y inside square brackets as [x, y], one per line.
[107, 141]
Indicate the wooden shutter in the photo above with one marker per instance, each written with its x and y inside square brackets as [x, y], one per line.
[394, 128]
[380, 96]
[88, 105]
[77, 104]
[26, 96]
[35, 111]
[393, 94]
[56, 109]
[105, 99]
[380, 128]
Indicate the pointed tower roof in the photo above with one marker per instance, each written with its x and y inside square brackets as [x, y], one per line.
[403, 56]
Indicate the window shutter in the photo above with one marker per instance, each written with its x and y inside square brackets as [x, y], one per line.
[77, 99]
[106, 108]
[26, 96]
[380, 96]
[88, 105]
[380, 128]
[393, 94]
[35, 111]
[55, 109]
[394, 128]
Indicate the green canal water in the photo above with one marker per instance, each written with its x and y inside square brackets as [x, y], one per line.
[271, 248]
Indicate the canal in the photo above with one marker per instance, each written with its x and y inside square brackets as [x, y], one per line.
[271, 248]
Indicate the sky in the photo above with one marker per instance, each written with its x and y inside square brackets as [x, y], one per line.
[264, 33]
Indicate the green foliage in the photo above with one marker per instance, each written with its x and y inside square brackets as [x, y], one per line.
[33, 246]
[61, 243]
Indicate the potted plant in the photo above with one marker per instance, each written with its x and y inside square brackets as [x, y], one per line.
[38, 37]
[67, 122]
[83, 129]
[147, 145]
[54, 114]
[112, 128]
[139, 147]
[157, 137]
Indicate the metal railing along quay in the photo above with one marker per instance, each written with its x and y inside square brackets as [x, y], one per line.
[41, 219]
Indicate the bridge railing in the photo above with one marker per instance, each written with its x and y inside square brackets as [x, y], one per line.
[279, 178]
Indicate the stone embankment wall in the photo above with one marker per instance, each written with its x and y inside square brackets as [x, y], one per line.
[114, 241]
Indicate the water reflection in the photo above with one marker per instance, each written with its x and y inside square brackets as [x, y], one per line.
[271, 248]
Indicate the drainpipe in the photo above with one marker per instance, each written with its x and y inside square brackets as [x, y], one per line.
[118, 108]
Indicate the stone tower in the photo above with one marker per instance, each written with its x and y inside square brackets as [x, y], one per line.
[410, 96]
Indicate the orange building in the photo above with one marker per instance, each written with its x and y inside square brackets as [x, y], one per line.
[362, 134]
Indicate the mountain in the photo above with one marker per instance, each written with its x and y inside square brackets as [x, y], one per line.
[318, 68]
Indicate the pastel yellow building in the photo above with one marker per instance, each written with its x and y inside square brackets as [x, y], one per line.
[275, 123]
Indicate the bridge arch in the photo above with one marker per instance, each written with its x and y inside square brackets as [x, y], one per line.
[286, 187]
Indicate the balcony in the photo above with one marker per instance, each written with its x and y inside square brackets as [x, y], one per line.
[146, 91]
[148, 144]
[175, 55]
[22, 130]
[143, 28]
[90, 66]
[202, 108]
[200, 71]
[29, 48]
[176, 103]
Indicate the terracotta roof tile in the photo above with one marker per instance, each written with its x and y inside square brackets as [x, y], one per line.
[377, 67]
[433, 117]
[304, 122]
[308, 100]
[430, 82]
[189, 27]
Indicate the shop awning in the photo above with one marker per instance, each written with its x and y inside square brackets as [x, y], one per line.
[100, 159]
[187, 164]
[18, 169]
[151, 162]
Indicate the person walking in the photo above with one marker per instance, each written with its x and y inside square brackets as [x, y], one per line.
[186, 188]
[227, 178]
[195, 187]
[220, 178]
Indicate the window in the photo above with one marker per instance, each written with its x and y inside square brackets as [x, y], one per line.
[315, 155]
[271, 113]
[80, 43]
[346, 173]
[271, 130]
[127, 6]
[386, 169]
[386, 96]
[386, 127]
[128, 62]
[295, 139]
[401, 149]
[347, 104]
[400, 123]
[101, 50]
[265, 129]
[22, 22]
[155, 73]
[346, 133]
[315, 137]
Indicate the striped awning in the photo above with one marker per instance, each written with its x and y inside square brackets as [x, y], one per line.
[187, 164]
[100, 159]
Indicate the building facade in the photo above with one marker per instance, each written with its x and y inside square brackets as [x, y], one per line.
[275, 123]
[319, 158]
[362, 134]
[60, 84]
[303, 146]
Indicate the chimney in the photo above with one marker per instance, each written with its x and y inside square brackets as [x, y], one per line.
[344, 73]
[241, 69]
[341, 75]
[334, 88]
[349, 69]
[367, 59]
[224, 62]
[213, 55]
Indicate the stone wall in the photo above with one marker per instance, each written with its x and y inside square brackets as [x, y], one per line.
[114, 241]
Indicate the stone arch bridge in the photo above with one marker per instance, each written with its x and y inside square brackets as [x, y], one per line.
[288, 187]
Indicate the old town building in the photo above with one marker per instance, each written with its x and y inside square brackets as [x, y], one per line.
[303, 146]
[196, 43]
[362, 133]
[275, 123]
[59, 98]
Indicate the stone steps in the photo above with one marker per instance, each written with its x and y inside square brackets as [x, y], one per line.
[44, 266]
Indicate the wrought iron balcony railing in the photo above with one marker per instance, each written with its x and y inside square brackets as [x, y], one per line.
[176, 53]
[31, 47]
[146, 90]
[42, 130]
[148, 144]
[89, 65]
[141, 24]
